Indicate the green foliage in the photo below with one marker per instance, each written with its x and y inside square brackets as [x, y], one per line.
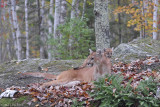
[76, 103]
[8, 102]
[111, 93]
[81, 39]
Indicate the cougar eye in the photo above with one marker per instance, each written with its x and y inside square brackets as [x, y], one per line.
[92, 58]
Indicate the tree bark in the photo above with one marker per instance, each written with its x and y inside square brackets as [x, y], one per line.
[56, 18]
[42, 34]
[56, 23]
[101, 24]
[50, 29]
[16, 29]
[155, 19]
[84, 8]
[0, 11]
[119, 27]
[63, 13]
[12, 30]
[73, 12]
[27, 31]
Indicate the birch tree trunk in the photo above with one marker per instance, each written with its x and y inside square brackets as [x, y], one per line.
[119, 27]
[16, 29]
[42, 34]
[84, 8]
[56, 23]
[74, 14]
[12, 30]
[75, 11]
[101, 24]
[27, 31]
[50, 29]
[7, 42]
[63, 13]
[56, 18]
[0, 11]
[155, 19]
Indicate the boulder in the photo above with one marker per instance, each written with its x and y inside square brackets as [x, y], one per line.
[137, 49]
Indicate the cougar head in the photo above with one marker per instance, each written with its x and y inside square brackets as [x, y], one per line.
[108, 52]
[90, 58]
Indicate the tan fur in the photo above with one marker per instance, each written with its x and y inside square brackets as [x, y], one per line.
[102, 62]
[87, 63]
[83, 75]
[102, 66]
[39, 74]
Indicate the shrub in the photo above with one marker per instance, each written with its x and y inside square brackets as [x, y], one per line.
[110, 92]
[82, 39]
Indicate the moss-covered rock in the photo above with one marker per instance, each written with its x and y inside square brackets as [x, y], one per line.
[138, 48]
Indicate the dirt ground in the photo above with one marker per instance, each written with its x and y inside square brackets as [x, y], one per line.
[10, 71]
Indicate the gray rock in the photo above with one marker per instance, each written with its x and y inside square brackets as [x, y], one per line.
[136, 49]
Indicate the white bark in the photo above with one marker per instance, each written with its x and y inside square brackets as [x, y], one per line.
[8, 49]
[73, 12]
[12, 30]
[63, 13]
[42, 34]
[16, 29]
[0, 49]
[77, 8]
[84, 8]
[56, 18]
[27, 31]
[155, 19]
[56, 23]
[7, 42]
[50, 28]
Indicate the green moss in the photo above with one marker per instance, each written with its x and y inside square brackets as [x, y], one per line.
[8, 102]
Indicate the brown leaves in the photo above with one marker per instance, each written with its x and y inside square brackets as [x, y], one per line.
[137, 70]
[133, 72]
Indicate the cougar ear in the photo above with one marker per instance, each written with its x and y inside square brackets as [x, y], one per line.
[90, 51]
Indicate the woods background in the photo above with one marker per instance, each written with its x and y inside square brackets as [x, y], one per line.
[66, 29]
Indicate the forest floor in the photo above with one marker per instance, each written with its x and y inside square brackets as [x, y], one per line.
[10, 72]
[11, 77]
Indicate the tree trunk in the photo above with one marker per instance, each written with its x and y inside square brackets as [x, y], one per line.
[8, 46]
[0, 49]
[101, 24]
[84, 8]
[77, 8]
[16, 29]
[73, 12]
[27, 31]
[0, 11]
[42, 34]
[56, 18]
[50, 29]
[63, 13]
[119, 27]
[12, 31]
[56, 23]
[155, 19]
